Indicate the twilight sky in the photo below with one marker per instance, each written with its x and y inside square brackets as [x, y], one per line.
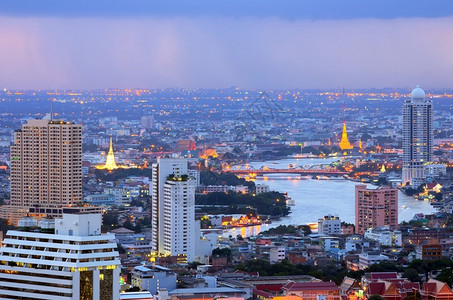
[220, 43]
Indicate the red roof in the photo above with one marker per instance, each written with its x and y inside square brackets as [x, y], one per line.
[376, 288]
[310, 286]
[435, 287]
[269, 287]
[383, 275]
[431, 185]
[262, 293]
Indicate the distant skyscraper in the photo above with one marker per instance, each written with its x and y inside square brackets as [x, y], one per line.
[375, 208]
[147, 122]
[46, 169]
[418, 137]
[344, 143]
[172, 208]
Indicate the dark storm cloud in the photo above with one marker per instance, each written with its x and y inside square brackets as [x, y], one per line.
[286, 9]
[221, 52]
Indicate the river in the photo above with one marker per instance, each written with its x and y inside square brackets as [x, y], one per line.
[317, 198]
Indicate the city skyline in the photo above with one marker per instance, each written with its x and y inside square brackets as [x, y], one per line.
[298, 45]
[259, 149]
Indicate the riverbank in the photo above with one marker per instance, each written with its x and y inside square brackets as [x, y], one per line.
[315, 198]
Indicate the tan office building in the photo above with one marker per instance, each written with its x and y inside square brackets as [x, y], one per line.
[46, 170]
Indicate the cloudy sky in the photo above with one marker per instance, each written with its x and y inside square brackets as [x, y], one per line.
[220, 43]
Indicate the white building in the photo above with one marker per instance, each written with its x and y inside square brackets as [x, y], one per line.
[100, 199]
[329, 225]
[352, 243]
[152, 278]
[261, 188]
[173, 208]
[223, 188]
[179, 218]
[67, 258]
[277, 254]
[435, 170]
[385, 236]
[331, 243]
[368, 259]
[195, 174]
[418, 137]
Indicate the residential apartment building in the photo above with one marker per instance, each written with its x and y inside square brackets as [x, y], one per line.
[375, 208]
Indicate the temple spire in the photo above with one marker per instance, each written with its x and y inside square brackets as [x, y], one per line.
[344, 143]
[110, 163]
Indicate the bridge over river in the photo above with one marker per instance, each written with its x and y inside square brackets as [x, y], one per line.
[325, 170]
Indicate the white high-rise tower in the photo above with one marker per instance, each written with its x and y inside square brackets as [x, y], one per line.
[417, 137]
[172, 208]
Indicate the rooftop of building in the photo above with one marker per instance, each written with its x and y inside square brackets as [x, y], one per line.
[215, 290]
[136, 296]
[418, 93]
[310, 286]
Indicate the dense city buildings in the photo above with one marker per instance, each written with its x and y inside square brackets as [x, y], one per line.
[131, 189]
[66, 258]
[375, 207]
[236, 177]
[418, 137]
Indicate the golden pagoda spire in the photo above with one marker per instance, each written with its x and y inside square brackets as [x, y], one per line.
[344, 143]
[383, 169]
[110, 163]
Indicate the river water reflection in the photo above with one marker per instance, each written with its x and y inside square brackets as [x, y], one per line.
[316, 198]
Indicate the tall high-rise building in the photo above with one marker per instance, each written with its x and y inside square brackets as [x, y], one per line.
[417, 137]
[46, 169]
[375, 207]
[179, 217]
[172, 208]
[65, 258]
[147, 122]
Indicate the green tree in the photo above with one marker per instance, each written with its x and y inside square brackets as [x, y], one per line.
[385, 266]
[120, 248]
[446, 275]
[223, 252]
[109, 221]
[305, 229]
[411, 274]
[4, 226]
[281, 229]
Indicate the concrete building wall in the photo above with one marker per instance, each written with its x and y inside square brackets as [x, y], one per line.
[375, 208]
